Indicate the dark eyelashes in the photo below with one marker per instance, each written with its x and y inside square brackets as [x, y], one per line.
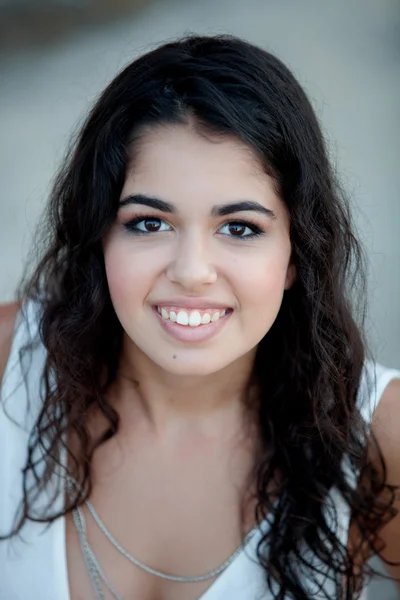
[131, 227]
[256, 231]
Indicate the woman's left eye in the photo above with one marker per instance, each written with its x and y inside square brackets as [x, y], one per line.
[241, 230]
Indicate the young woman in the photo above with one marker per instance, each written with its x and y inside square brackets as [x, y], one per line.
[187, 399]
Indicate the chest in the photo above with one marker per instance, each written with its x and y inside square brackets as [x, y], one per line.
[179, 513]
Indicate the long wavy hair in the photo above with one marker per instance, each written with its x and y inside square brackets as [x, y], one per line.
[308, 366]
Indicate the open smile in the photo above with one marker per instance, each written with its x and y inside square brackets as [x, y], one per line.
[188, 325]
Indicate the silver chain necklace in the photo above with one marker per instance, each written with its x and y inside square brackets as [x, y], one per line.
[95, 571]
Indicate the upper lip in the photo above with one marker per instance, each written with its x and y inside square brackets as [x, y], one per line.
[191, 303]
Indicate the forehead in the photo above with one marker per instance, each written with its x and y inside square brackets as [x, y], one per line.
[180, 165]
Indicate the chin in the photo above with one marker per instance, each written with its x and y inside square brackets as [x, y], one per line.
[181, 367]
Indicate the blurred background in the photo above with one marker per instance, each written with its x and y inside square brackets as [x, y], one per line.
[57, 55]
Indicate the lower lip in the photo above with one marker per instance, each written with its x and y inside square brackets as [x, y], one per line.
[185, 333]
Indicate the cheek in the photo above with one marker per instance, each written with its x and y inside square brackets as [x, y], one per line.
[262, 279]
[118, 273]
[260, 287]
[128, 276]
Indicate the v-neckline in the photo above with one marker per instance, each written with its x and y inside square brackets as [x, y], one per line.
[249, 548]
[61, 564]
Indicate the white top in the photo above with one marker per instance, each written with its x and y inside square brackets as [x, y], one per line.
[36, 568]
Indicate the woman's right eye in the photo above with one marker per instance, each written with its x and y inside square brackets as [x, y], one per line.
[147, 225]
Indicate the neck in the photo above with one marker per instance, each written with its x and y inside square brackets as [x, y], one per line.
[163, 400]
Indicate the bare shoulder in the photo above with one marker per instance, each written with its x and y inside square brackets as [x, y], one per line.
[8, 314]
[386, 423]
[386, 428]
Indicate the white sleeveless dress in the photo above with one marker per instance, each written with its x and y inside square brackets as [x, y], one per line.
[36, 568]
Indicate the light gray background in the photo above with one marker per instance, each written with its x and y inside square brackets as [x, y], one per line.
[345, 53]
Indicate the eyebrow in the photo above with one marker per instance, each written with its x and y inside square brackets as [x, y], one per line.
[220, 210]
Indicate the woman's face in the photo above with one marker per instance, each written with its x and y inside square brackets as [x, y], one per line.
[197, 260]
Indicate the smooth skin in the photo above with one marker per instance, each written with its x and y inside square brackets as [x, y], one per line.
[181, 460]
[385, 425]
[8, 315]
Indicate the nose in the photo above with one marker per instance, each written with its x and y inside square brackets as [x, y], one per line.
[191, 267]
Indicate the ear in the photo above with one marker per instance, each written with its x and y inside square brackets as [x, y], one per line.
[291, 276]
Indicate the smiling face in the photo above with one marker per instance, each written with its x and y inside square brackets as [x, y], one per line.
[197, 260]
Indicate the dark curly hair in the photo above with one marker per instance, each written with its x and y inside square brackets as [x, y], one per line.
[308, 366]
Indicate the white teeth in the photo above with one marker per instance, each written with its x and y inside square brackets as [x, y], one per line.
[205, 319]
[182, 318]
[194, 318]
[191, 318]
